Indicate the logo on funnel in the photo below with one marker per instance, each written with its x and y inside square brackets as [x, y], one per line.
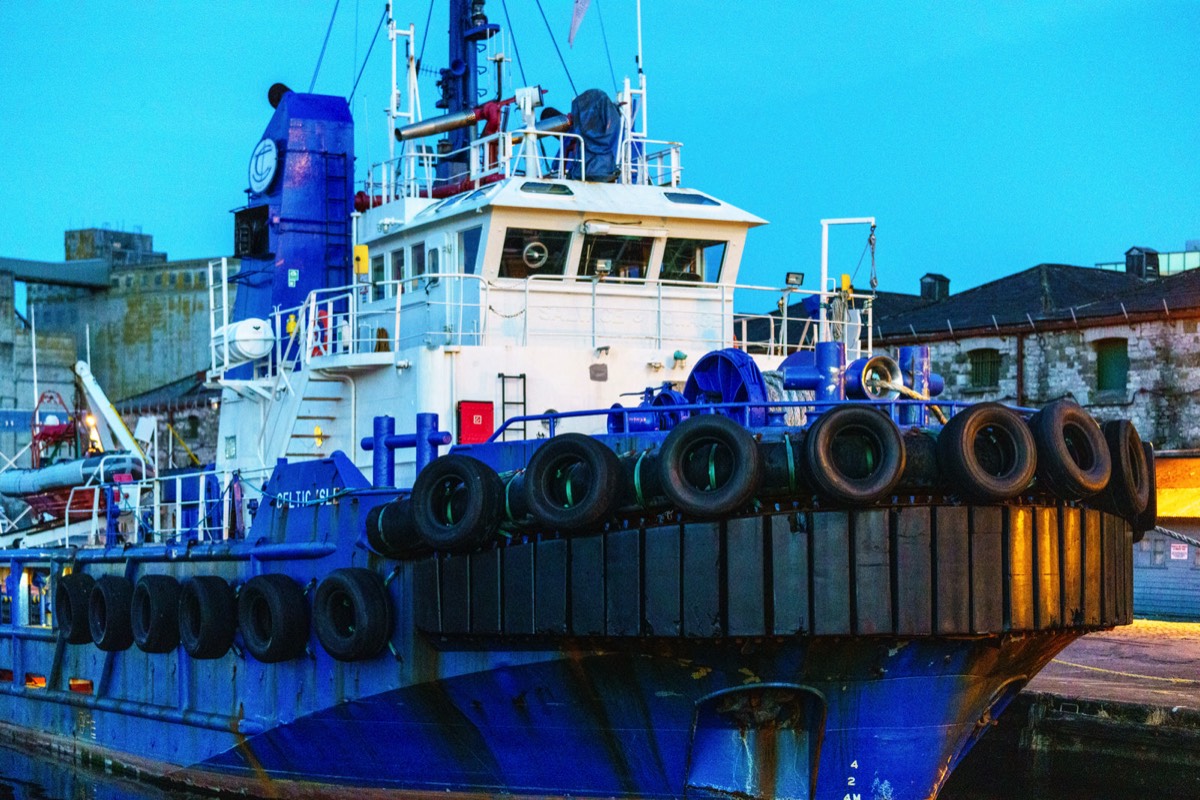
[262, 166]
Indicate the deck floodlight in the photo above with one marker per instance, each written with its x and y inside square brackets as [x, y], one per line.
[794, 278]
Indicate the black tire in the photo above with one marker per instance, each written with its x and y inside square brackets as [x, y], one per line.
[207, 616]
[986, 453]
[392, 532]
[352, 614]
[921, 473]
[1148, 519]
[457, 502]
[1072, 456]
[709, 465]
[572, 483]
[154, 614]
[273, 615]
[783, 467]
[71, 596]
[854, 454]
[1128, 491]
[108, 613]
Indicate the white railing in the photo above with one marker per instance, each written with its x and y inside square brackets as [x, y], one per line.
[441, 309]
[154, 509]
[218, 316]
[643, 165]
[484, 160]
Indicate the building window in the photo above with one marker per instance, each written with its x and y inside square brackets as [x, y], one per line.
[985, 368]
[1112, 365]
[1151, 551]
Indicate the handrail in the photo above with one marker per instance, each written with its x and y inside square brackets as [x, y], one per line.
[345, 320]
[892, 406]
[498, 155]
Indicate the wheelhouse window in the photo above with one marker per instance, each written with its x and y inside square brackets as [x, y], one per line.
[618, 256]
[416, 264]
[693, 260]
[397, 271]
[528, 251]
[378, 276]
[1112, 365]
[985, 368]
[468, 250]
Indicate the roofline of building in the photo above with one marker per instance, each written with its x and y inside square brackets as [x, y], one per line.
[1034, 327]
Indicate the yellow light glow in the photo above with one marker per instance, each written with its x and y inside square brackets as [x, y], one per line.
[90, 420]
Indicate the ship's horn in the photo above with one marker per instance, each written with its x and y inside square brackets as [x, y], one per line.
[276, 92]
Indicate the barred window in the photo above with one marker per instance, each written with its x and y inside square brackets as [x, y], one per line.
[985, 368]
[1112, 365]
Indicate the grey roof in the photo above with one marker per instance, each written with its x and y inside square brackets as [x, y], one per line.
[89, 273]
[186, 393]
[1046, 293]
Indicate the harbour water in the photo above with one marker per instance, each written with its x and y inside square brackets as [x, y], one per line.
[26, 776]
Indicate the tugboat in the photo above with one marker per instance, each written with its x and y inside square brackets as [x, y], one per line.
[789, 571]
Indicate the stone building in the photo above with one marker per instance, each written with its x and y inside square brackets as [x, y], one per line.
[142, 321]
[149, 327]
[1120, 345]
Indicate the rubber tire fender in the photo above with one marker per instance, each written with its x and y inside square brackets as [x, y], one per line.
[1128, 491]
[457, 502]
[986, 453]
[834, 450]
[154, 614]
[709, 465]
[109, 612]
[1072, 456]
[207, 616]
[567, 461]
[1148, 519]
[352, 614]
[273, 615]
[392, 532]
[71, 595]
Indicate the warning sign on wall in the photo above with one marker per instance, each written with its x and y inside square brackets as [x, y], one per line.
[1179, 551]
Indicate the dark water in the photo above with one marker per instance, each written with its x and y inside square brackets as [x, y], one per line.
[25, 776]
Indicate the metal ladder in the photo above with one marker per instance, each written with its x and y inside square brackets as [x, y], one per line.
[518, 403]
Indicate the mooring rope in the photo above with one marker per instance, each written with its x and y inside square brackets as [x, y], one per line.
[1177, 535]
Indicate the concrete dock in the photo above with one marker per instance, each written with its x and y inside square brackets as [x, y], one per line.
[1115, 716]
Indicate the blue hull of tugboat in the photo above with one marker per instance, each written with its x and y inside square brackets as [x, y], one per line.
[612, 725]
[795, 653]
[900, 714]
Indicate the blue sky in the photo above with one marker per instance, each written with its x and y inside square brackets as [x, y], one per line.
[986, 137]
